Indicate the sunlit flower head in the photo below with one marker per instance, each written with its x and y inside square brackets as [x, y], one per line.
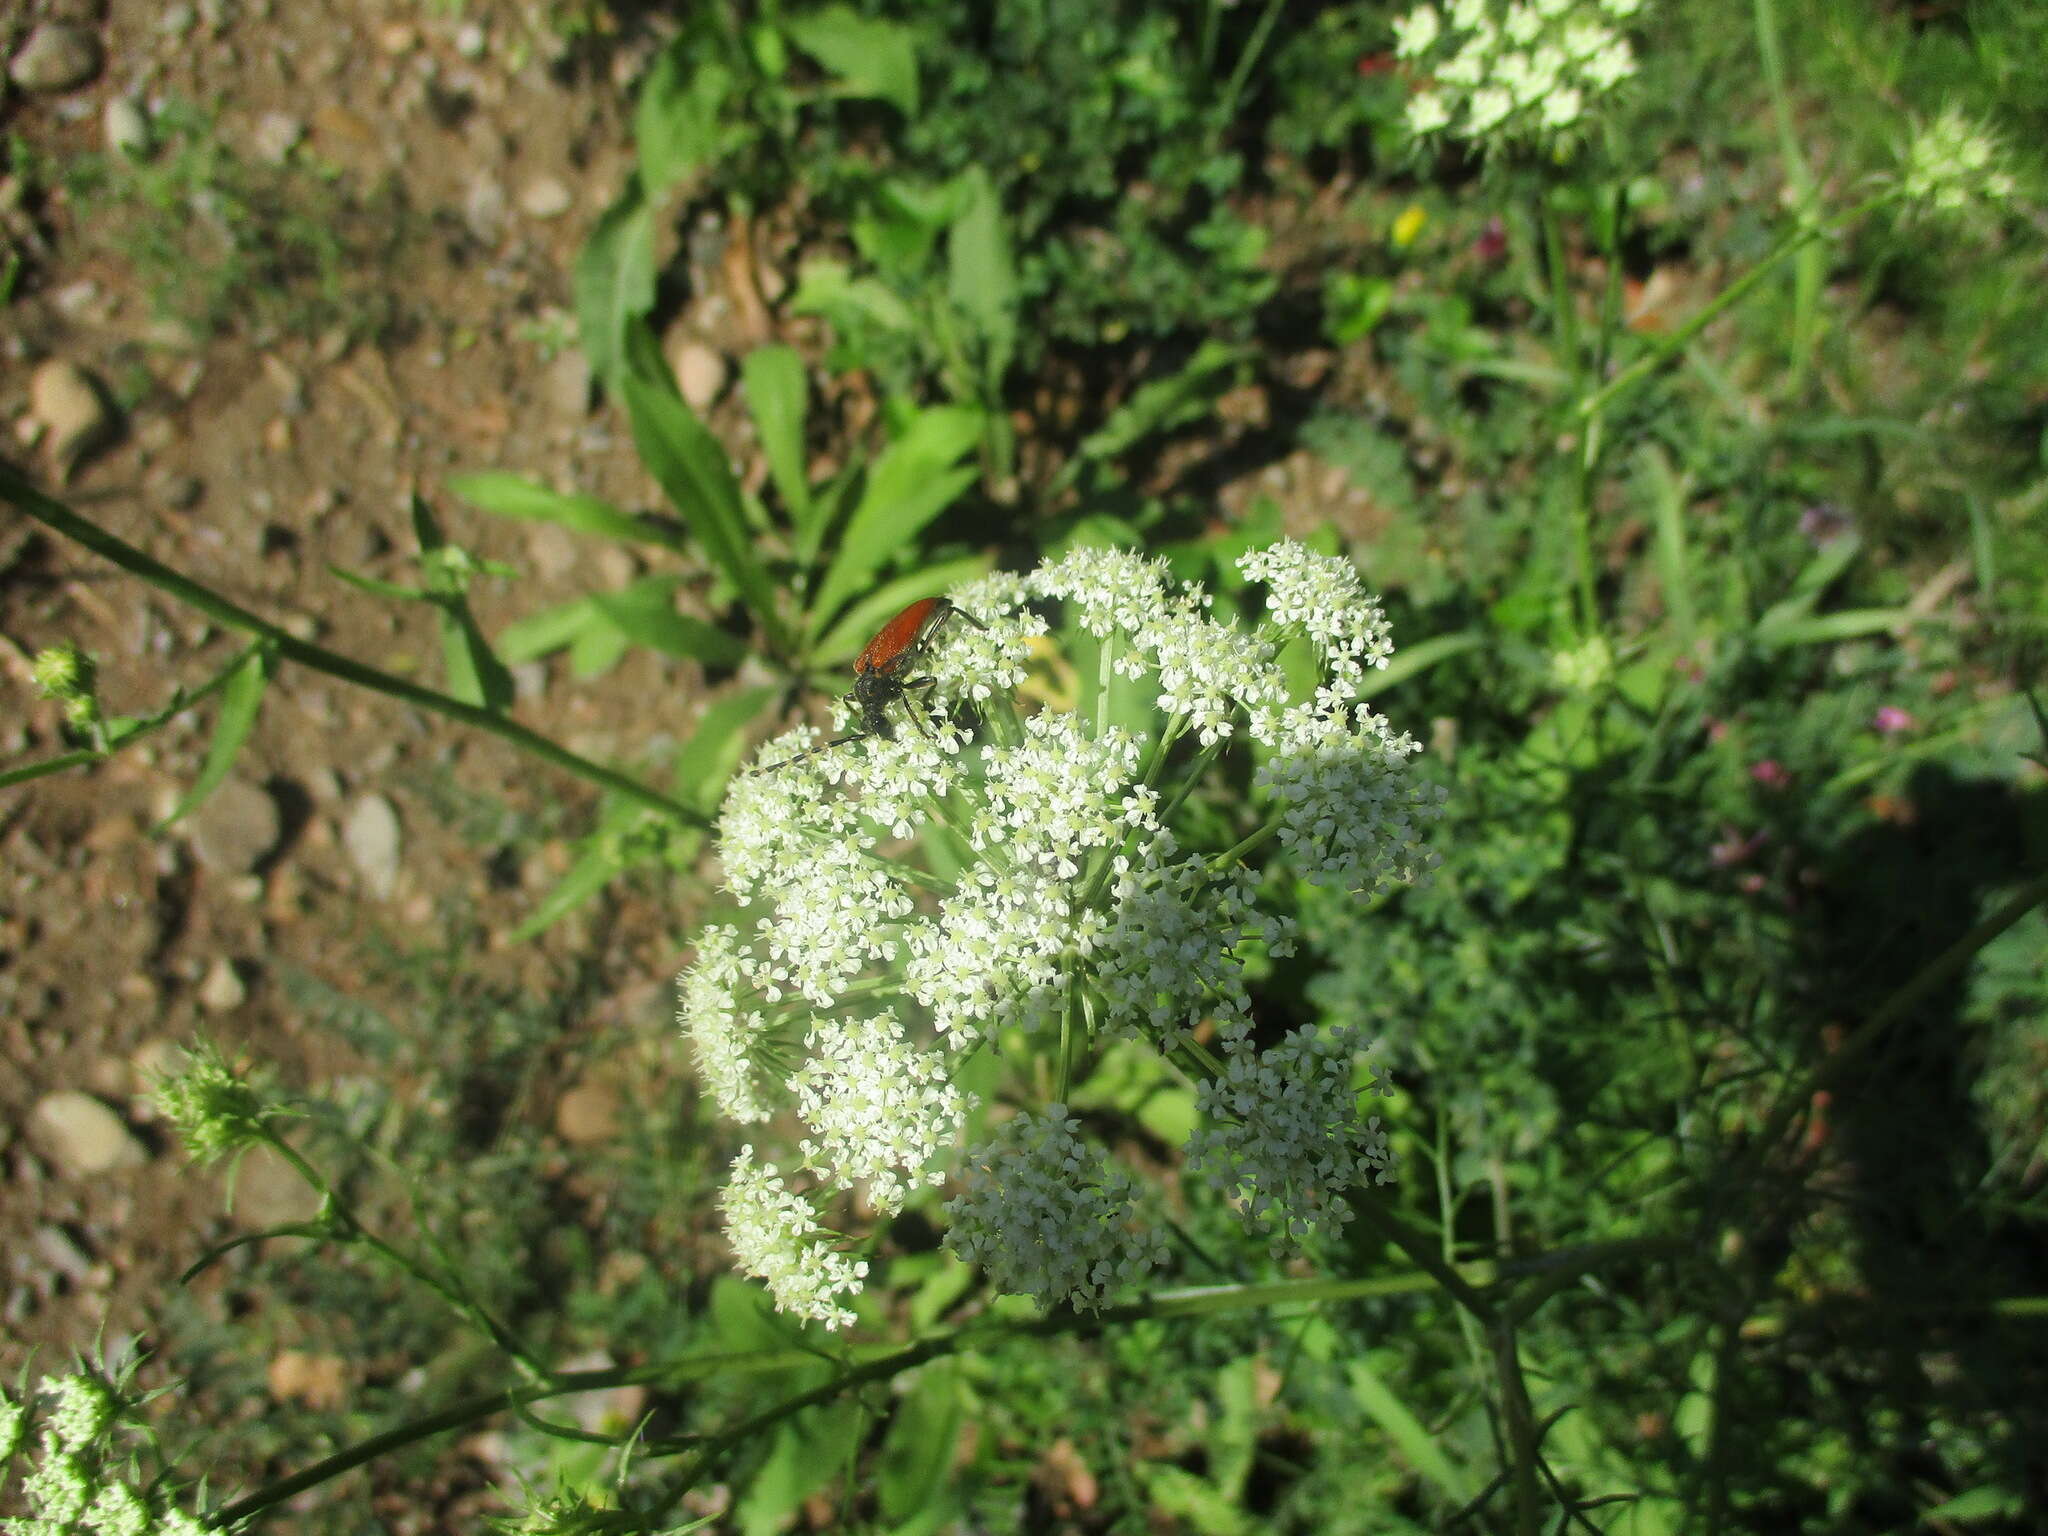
[975, 889]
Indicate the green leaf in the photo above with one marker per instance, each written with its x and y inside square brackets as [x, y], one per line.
[594, 868]
[1828, 627]
[777, 396]
[1415, 1443]
[613, 283]
[692, 468]
[240, 699]
[504, 494]
[827, 288]
[542, 634]
[677, 118]
[598, 647]
[645, 613]
[1165, 403]
[1412, 660]
[714, 749]
[907, 486]
[981, 275]
[871, 57]
[917, 1453]
[378, 588]
[1666, 493]
[857, 626]
[474, 675]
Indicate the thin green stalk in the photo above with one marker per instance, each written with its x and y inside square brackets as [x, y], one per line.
[1812, 264]
[137, 729]
[347, 1225]
[54, 514]
[1227, 107]
[1733, 294]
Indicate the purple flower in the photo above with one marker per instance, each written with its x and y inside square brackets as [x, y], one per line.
[1770, 773]
[1890, 720]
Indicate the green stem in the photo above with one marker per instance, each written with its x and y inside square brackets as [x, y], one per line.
[1733, 294]
[1227, 107]
[136, 729]
[56, 515]
[350, 1228]
[1799, 180]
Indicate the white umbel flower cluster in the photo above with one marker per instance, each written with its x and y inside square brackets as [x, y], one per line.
[776, 1238]
[1502, 72]
[1047, 1216]
[1955, 167]
[914, 902]
[1282, 1131]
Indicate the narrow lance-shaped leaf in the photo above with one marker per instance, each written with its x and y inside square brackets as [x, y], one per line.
[508, 495]
[908, 485]
[776, 395]
[692, 468]
[240, 700]
[613, 283]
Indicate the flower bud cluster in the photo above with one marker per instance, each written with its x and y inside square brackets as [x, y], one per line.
[1955, 167]
[914, 902]
[1523, 72]
[73, 1479]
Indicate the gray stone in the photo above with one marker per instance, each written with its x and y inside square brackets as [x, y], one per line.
[545, 197]
[223, 990]
[71, 408]
[58, 56]
[372, 838]
[235, 828]
[82, 1136]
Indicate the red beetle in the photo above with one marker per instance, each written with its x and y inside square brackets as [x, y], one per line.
[881, 672]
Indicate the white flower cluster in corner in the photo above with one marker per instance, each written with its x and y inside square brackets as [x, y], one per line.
[69, 1483]
[1954, 166]
[912, 901]
[1282, 1131]
[1522, 72]
[1046, 1216]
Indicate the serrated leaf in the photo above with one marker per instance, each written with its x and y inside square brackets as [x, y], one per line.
[907, 486]
[869, 56]
[240, 699]
[692, 469]
[613, 284]
[777, 398]
[504, 494]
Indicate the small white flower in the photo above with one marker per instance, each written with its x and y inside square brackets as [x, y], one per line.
[1427, 113]
[1561, 108]
[84, 1408]
[1488, 109]
[1468, 14]
[1621, 10]
[1282, 1132]
[776, 1238]
[118, 1510]
[1416, 33]
[13, 1425]
[1522, 24]
[881, 1111]
[1611, 65]
[1046, 1216]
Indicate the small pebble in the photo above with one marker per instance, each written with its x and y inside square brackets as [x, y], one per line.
[235, 828]
[545, 197]
[58, 56]
[68, 404]
[82, 1136]
[126, 127]
[223, 990]
[373, 840]
[701, 373]
[276, 135]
